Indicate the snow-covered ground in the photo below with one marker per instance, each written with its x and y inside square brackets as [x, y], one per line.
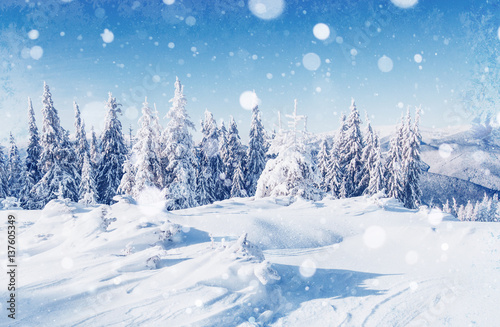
[351, 262]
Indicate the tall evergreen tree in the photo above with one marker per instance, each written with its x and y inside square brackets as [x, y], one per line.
[411, 163]
[293, 171]
[323, 159]
[15, 170]
[178, 157]
[367, 156]
[81, 142]
[238, 183]
[4, 189]
[32, 169]
[144, 152]
[256, 152]
[334, 178]
[211, 164]
[95, 151]
[58, 159]
[351, 154]
[226, 159]
[393, 172]
[235, 153]
[376, 183]
[88, 188]
[203, 192]
[114, 153]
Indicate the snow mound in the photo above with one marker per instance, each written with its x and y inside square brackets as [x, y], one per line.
[247, 262]
[243, 249]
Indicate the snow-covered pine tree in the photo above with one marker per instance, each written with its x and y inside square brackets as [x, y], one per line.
[293, 171]
[411, 163]
[114, 151]
[376, 183]
[323, 159]
[238, 184]
[4, 190]
[81, 142]
[393, 172]
[225, 156]
[95, 151]
[14, 169]
[211, 164]
[147, 164]
[334, 179]
[178, 158]
[32, 169]
[351, 154]
[235, 153]
[88, 188]
[367, 156]
[128, 179]
[256, 152]
[57, 160]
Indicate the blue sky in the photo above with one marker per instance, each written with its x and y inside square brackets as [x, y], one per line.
[220, 49]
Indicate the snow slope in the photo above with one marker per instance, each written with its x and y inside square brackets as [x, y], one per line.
[254, 262]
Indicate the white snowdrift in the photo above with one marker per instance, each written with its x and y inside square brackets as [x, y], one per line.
[255, 262]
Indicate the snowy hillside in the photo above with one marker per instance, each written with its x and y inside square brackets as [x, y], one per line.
[263, 262]
[464, 157]
[436, 189]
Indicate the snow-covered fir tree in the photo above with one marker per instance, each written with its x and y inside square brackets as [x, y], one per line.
[367, 156]
[58, 159]
[88, 187]
[226, 158]
[238, 183]
[14, 169]
[235, 152]
[128, 179]
[256, 152]
[211, 167]
[81, 143]
[114, 153]
[323, 159]
[223, 143]
[144, 153]
[292, 172]
[351, 152]
[393, 172]
[334, 178]
[95, 151]
[32, 173]
[376, 183]
[178, 157]
[411, 163]
[4, 189]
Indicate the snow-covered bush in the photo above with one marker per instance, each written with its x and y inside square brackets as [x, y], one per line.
[10, 203]
[169, 232]
[265, 273]
[152, 262]
[243, 249]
